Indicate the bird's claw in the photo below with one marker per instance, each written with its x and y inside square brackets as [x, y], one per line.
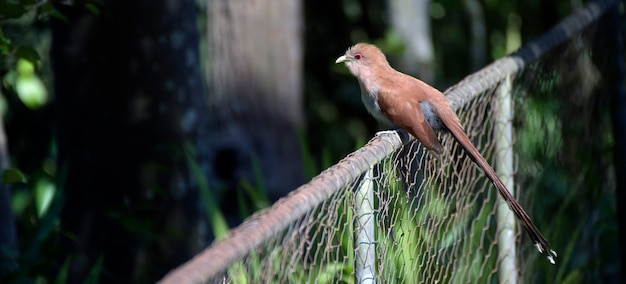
[385, 132]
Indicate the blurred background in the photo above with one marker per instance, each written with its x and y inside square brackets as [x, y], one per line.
[135, 133]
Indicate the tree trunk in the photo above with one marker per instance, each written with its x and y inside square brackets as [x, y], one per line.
[255, 94]
[615, 89]
[478, 34]
[129, 94]
[411, 19]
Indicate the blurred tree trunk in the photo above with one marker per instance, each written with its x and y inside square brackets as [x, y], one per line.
[255, 94]
[612, 43]
[411, 19]
[129, 94]
[478, 34]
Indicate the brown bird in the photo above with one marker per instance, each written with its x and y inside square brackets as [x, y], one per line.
[399, 99]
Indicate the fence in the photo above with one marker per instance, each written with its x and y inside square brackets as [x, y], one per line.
[391, 213]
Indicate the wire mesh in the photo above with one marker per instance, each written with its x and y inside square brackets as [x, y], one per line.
[434, 221]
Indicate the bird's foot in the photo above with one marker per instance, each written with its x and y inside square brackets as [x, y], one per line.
[386, 132]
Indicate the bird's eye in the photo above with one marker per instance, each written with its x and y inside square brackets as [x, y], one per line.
[358, 56]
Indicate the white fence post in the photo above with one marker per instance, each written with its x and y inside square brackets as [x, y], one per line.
[365, 251]
[506, 223]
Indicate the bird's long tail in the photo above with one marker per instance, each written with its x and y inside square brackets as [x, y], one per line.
[535, 235]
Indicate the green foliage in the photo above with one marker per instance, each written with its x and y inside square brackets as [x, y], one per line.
[564, 140]
[217, 220]
[311, 167]
[28, 86]
[15, 9]
[20, 54]
[257, 193]
[18, 62]
[413, 240]
[38, 202]
[44, 193]
[13, 176]
[63, 272]
[93, 277]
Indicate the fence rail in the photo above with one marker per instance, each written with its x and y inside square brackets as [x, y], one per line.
[270, 222]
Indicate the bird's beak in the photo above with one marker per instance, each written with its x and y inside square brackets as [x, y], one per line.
[343, 58]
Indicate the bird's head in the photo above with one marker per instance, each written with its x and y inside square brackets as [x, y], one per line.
[363, 58]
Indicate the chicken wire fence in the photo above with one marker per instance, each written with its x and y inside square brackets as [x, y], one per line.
[392, 213]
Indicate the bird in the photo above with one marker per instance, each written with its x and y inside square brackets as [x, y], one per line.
[395, 98]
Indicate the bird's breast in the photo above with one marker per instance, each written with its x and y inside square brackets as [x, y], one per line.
[370, 100]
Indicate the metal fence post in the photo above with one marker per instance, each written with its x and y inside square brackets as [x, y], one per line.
[507, 260]
[365, 251]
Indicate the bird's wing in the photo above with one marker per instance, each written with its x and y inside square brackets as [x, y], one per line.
[394, 106]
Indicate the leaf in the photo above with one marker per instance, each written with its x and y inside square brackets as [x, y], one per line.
[95, 271]
[11, 10]
[573, 277]
[13, 176]
[25, 66]
[63, 272]
[29, 54]
[44, 192]
[93, 8]
[329, 273]
[5, 43]
[216, 218]
[59, 16]
[20, 202]
[31, 91]
[9, 79]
